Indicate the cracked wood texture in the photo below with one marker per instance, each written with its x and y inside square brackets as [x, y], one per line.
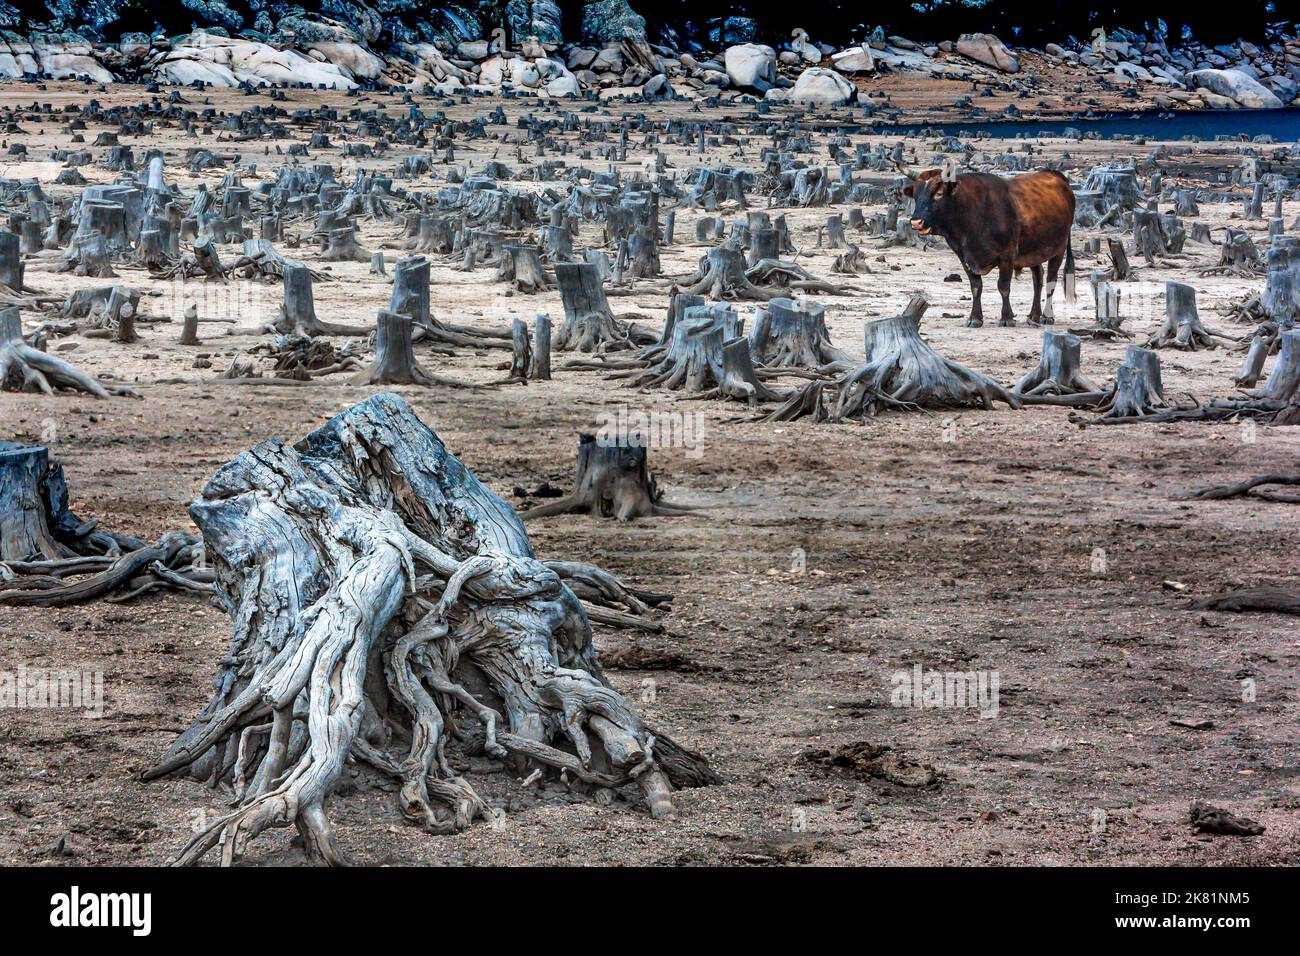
[365, 568]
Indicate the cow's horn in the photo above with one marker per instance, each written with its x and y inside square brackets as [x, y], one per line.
[949, 170]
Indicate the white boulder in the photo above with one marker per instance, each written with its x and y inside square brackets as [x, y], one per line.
[566, 85]
[225, 62]
[352, 57]
[751, 66]
[1238, 87]
[856, 59]
[60, 62]
[987, 49]
[822, 87]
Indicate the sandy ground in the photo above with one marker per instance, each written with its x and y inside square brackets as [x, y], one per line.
[957, 542]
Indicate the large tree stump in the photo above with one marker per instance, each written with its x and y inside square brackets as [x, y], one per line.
[643, 252]
[706, 355]
[1280, 300]
[791, 333]
[344, 247]
[1152, 235]
[1182, 328]
[721, 275]
[521, 266]
[298, 310]
[1283, 384]
[902, 371]
[613, 481]
[764, 243]
[557, 244]
[11, 262]
[1238, 253]
[1058, 371]
[395, 362]
[49, 557]
[32, 501]
[1139, 389]
[588, 322]
[379, 593]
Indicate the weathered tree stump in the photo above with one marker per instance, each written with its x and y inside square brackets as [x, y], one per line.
[1280, 300]
[791, 333]
[298, 310]
[1283, 384]
[540, 367]
[1238, 252]
[521, 266]
[1058, 371]
[369, 542]
[119, 313]
[721, 275]
[33, 497]
[344, 247]
[706, 355]
[395, 362]
[1252, 369]
[1138, 386]
[1119, 267]
[11, 262]
[190, 326]
[643, 253]
[901, 371]
[1151, 235]
[149, 252]
[521, 357]
[1182, 328]
[557, 244]
[613, 481]
[588, 322]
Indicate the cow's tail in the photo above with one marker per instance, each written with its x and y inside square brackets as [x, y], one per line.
[1069, 270]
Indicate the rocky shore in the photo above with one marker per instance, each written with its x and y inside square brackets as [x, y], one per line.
[453, 51]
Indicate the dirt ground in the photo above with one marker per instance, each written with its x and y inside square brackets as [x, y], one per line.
[1062, 557]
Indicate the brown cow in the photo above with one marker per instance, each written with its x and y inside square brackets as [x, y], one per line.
[992, 222]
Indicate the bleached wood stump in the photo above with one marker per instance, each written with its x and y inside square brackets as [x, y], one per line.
[382, 597]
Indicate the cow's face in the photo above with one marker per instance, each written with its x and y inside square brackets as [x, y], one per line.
[933, 197]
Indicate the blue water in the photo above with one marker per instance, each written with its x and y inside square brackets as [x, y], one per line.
[1283, 125]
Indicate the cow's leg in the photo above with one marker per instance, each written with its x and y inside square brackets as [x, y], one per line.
[1004, 287]
[1036, 310]
[976, 309]
[1053, 265]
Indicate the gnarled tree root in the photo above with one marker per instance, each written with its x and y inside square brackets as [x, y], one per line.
[24, 367]
[368, 541]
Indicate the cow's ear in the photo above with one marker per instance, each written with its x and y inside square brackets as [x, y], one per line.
[909, 190]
